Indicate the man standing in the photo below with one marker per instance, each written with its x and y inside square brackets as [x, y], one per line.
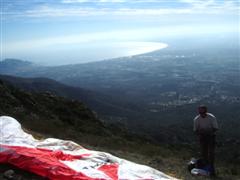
[205, 126]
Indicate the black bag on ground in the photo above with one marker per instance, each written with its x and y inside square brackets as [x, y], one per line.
[196, 163]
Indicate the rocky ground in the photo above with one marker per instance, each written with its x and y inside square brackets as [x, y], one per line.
[8, 172]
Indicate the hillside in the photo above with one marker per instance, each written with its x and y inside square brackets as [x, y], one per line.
[35, 110]
[107, 109]
[47, 115]
[106, 106]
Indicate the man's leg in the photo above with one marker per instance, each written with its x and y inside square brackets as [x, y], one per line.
[211, 152]
[204, 148]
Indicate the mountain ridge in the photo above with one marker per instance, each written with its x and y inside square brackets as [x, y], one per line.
[97, 101]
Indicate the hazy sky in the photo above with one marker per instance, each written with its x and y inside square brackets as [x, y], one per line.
[72, 31]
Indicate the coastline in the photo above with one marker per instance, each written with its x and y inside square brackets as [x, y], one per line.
[88, 52]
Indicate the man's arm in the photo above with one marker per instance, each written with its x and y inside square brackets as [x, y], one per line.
[214, 124]
[195, 125]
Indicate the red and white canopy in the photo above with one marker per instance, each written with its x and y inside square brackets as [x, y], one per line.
[65, 160]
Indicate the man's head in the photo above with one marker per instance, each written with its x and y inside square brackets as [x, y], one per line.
[202, 110]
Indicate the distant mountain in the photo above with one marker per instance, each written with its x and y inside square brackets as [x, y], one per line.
[13, 63]
[9, 66]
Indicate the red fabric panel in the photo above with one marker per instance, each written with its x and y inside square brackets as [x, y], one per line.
[110, 169]
[41, 161]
